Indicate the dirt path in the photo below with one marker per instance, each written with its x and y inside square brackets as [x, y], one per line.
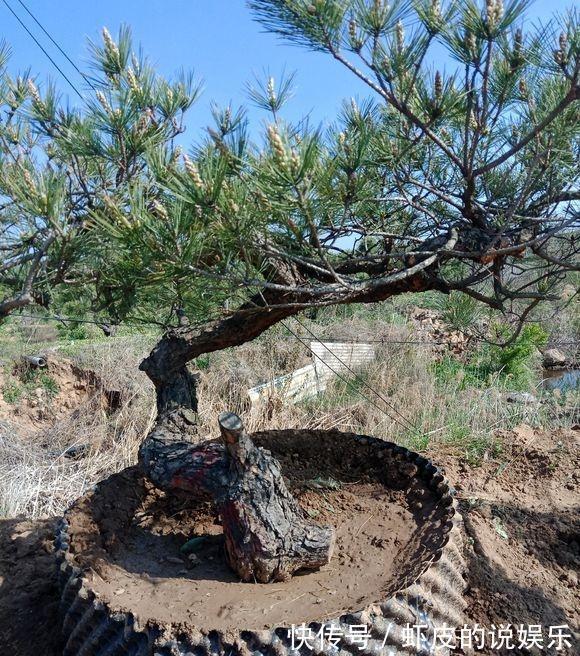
[522, 515]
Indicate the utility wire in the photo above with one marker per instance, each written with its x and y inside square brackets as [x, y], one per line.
[357, 377]
[62, 52]
[57, 317]
[401, 342]
[31, 35]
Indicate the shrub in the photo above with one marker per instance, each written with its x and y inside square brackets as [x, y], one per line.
[72, 330]
[12, 393]
[458, 310]
[513, 365]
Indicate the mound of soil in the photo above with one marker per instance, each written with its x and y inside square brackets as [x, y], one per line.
[31, 399]
[521, 514]
[129, 535]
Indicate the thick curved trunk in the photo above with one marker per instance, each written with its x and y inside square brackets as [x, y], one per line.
[267, 535]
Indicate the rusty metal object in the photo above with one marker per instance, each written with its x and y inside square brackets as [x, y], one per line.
[431, 594]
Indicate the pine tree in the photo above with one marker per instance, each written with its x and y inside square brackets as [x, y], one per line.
[455, 181]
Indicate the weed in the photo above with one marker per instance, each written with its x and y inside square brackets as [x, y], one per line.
[12, 392]
[72, 331]
[513, 366]
[202, 362]
[33, 379]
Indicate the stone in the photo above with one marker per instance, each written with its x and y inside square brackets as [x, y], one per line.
[554, 358]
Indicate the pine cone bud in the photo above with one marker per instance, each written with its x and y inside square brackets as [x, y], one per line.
[294, 161]
[523, 88]
[438, 86]
[160, 210]
[561, 55]
[143, 122]
[494, 12]
[386, 69]
[132, 81]
[352, 33]
[29, 182]
[227, 119]
[110, 45]
[33, 90]
[471, 43]
[400, 35]
[563, 41]
[490, 7]
[175, 155]
[276, 144]
[271, 91]
[104, 102]
[193, 172]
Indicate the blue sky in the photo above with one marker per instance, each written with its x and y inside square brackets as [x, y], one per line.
[216, 38]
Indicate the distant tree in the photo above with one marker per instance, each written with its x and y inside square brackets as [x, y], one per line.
[465, 180]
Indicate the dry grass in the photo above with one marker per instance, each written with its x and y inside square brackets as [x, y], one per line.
[37, 479]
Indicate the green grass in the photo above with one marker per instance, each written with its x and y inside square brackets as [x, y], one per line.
[12, 393]
[512, 367]
[27, 381]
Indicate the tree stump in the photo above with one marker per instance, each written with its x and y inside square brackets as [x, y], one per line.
[267, 535]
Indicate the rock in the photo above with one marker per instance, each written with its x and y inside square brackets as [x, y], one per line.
[554, 358]
[524, 398]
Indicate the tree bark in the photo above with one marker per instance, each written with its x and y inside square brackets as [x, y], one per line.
[268, 537]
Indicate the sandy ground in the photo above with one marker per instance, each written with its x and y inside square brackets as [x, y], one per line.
[521, 516]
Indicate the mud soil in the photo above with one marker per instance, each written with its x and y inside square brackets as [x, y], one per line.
[521, 515]
[39, 405]
[128, 535]
[149, 575]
